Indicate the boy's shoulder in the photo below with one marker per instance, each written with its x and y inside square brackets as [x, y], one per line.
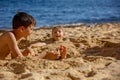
[9, 34]
[6, 35]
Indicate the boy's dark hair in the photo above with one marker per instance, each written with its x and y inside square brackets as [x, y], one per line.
[22, 19]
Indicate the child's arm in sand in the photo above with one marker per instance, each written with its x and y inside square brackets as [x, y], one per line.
[59, 53]
[48, 55]
[39, 44]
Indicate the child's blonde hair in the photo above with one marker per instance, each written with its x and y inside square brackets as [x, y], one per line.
[57, 27]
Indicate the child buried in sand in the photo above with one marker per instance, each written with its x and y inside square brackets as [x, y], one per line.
[57, 44]
[52, 52]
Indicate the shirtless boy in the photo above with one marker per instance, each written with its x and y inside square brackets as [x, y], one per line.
[23, 24]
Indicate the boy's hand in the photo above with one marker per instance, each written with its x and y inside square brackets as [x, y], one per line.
[29, 51]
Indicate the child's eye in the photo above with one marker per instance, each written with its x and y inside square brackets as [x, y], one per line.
[55, 32]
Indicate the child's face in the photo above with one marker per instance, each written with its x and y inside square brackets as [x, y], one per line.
[57, 34]
[27, 31]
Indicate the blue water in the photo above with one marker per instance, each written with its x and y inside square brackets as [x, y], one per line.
[53, 12]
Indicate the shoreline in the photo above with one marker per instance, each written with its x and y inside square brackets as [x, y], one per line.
[66, 25]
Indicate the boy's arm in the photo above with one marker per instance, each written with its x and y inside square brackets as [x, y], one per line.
[12, 43]
[28, 51]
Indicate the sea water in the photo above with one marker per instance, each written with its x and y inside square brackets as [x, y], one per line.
[57, 12]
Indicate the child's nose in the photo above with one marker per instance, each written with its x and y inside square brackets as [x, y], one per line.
[57, 32]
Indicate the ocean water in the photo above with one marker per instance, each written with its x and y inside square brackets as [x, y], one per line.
[55, 12]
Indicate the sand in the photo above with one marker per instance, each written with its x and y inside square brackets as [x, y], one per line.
[96, 55]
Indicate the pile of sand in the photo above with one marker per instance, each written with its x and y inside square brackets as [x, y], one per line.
[96, 56]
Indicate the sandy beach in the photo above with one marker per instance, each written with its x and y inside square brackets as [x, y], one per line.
[96, 55]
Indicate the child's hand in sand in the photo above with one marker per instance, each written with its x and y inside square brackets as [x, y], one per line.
[62, 50]
[58, 53]
[52, 55]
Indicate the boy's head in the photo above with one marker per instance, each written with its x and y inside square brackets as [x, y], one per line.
[23, 19]
[24, 23]
[57, 33]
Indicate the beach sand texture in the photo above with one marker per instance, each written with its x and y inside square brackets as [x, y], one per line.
[96, 56]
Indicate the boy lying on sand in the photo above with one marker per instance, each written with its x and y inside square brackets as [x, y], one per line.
[23, 24]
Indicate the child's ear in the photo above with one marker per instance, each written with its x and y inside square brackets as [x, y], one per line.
[21, 28]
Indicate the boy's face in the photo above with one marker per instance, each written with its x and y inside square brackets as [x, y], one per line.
[57, 34]
[27, 31]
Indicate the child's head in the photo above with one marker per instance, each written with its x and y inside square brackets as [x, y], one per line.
[23, 21]
[57, 33]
